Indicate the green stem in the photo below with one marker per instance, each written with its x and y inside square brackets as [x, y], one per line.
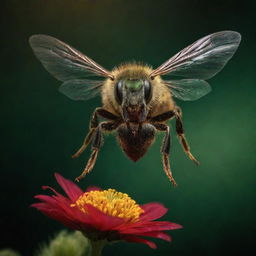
[97, 246]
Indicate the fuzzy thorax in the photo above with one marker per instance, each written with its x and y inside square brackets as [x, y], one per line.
[161, 100]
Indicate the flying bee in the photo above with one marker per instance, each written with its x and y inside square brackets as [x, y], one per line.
[136, 100]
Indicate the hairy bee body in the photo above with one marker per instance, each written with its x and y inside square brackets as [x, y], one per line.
[161, 101]
[136, 137]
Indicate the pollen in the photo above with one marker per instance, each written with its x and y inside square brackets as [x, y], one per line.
[112, 203]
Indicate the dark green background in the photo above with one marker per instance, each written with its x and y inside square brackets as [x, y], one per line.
[41, 128]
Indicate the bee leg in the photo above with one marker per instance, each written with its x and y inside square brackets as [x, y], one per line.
[180, 132]
[166, 150]
[163, 117]
[88, 138]
[96, 145]
[93, 125]
[106, 114]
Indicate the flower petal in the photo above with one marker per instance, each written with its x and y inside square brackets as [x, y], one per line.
[101, 220]
[157, 234]
[70, 188]
[45, 198]
[52, 189]
[151, 226]
[58, 196]
[61, 211]
[55, 213]
[136, 239]
[58, 207]
[152, 211]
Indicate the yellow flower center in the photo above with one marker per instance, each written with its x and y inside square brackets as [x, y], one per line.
[112, 203]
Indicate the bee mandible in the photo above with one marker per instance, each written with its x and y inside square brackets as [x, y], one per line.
[136, 100]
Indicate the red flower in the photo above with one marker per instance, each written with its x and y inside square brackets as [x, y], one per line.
[105, 214]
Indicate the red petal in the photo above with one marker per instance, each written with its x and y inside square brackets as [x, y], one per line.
[152, 226]
[56, 214]
[165, 225]
[153, 211]
[58, 196]
[52, 189]
[60, 207]
[101, 220]
[70, 188]
[61, 211]
[45, 198]
[158, 234]
[140, 240]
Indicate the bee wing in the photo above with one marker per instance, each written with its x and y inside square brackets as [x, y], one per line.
[188, 89]
[82, 89]
[63, 61]
[202, 59]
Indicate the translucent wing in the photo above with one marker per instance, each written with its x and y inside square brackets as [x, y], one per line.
[188, 89]
[62, 61]
[81, 89]
[202, 59]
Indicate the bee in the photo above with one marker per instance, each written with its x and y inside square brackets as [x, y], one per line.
[136, 100]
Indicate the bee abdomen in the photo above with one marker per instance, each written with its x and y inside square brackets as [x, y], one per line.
[135, 141]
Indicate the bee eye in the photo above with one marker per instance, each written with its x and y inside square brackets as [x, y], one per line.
[118, 92]
[147, 91]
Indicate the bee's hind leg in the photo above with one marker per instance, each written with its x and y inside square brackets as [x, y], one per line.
[96, 145]
[180, 132]
[166, 150]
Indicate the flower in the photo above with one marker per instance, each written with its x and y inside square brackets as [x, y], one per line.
[105, 214]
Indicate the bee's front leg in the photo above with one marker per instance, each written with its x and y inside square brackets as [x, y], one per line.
[97, 142]
[88, 138]
[96, 145]
[166, 150]
[181, 134]
[92, 128]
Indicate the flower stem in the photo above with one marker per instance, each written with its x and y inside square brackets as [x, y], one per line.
[97, 246]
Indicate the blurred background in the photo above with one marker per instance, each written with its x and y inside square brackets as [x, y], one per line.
[41, 128]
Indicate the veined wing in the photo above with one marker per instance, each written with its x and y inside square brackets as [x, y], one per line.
[188, 89]
[83, 89]
[202, 59]
[63, 61]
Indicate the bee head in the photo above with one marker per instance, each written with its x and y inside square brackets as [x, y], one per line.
[133, 92]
